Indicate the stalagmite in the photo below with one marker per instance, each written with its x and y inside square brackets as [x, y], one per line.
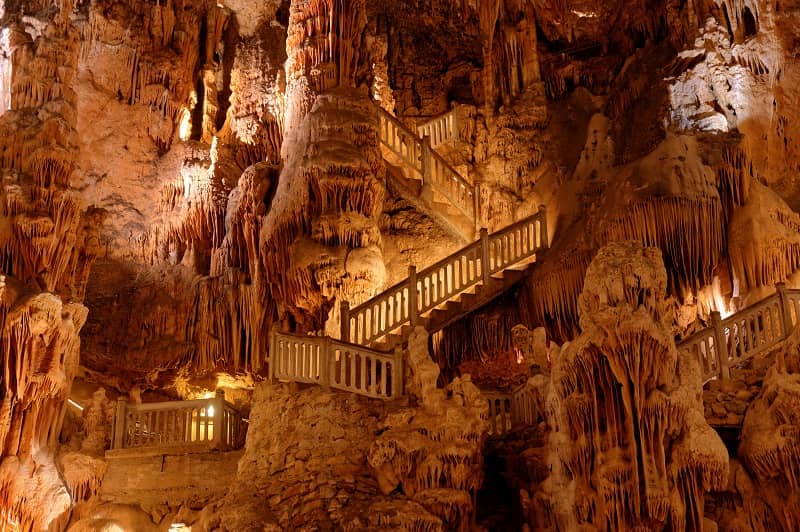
[328, 201]
[433, 454]
[627, 438]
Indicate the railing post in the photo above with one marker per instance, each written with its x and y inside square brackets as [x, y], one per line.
[485, 255]
[454, 133]
[344, 310]
[427, 169]
[119, 422]
[273, 354]
[325, 364]
[219, 411]
[412, 295]
[543, 221]
[476, 205]
[721, 346]
[786, 311]
[397, 373]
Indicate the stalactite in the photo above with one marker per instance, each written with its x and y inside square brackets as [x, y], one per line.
[690, 233]
[479, 336]
[332, 198]
[40, 348]
[764, 246]
[551, 295]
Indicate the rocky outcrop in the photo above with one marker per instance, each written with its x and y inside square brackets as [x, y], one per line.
[305, 461]
[433, 453]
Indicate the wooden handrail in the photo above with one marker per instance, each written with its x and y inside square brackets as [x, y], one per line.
[744, 334]
[440, 129]
[422, 291]
[335, 364]
[199, 422]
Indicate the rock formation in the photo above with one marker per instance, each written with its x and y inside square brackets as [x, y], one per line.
[432, 453]
[629, 447]
[766, 483]
[181, 178]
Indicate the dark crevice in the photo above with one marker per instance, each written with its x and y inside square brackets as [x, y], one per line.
[199, 111]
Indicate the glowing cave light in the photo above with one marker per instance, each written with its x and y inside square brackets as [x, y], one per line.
[185, 129]
[75, 404]
[6, 67]
[210, 412]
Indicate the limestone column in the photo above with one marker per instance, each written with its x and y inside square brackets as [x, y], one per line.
[321, 241]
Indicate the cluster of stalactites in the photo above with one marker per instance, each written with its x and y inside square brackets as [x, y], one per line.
[770, 447]
[156, 68]
[478, 336]
[47, 245]
[551, 294]
[326, 203]
[325, 38]
[438, 464]
[690, 232]
[763, 241]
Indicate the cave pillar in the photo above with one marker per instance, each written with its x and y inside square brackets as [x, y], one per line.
[322, 241]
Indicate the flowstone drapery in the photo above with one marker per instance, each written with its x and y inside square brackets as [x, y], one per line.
[629, 447]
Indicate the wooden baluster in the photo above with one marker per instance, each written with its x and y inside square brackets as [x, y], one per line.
[485, 255]
[352, 370]
[397, 373]
[721, 345]
[543, 227]
[373, 383]
[327, 355]
[344, 310]
[384, 391]
[757, 339]
[412, 295]
[363, 380]
[120, 415]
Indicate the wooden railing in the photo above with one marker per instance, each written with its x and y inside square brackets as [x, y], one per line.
[745, 334]
[334, 364]
[422, 291]
[436, 174]
[439, 130]
[201, 422]
[511, 409]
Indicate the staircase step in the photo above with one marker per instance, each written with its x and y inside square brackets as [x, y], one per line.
[453, 307]
[511, 277]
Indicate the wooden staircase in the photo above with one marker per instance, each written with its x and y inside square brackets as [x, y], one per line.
[421, 176]
[448, 290]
